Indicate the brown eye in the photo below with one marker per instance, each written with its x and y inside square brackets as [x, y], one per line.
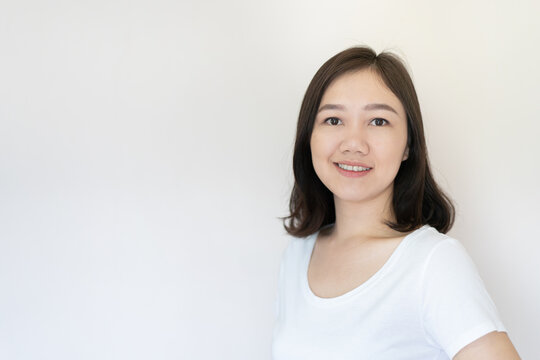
[333, 121]
[379, 122]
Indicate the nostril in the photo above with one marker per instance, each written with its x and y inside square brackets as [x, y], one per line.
[354, 145]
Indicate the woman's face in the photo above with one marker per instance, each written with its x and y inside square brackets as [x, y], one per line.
[359, 138]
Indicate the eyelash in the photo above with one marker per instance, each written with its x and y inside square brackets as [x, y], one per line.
[385, 121]
[327, 121]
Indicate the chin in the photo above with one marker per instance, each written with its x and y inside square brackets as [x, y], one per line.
[353, 198]
[362, 196]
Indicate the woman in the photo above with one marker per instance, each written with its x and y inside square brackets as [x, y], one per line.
[370, 273]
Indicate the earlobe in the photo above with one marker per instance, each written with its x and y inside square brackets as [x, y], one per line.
[406, 154]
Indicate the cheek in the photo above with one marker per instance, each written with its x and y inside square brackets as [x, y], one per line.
[391, 149]
[321, 151]
[320, 145]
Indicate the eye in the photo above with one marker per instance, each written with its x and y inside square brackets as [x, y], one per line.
[333, 121]
[379, 122]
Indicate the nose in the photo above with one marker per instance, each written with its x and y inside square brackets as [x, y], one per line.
[355, 141]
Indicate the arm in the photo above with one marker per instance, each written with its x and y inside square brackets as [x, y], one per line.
[459, 314]
[492, 346]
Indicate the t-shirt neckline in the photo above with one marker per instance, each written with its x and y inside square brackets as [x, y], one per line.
[311, 297]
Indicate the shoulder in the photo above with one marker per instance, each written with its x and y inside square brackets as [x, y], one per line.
[455, 305]
[444, 261]
[298, 248]
[445, 253]
[427, 244]
[299, 245]
[428, 237]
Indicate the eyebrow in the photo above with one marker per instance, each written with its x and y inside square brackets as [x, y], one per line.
[380, 107]
[374, 106]
[331, 107]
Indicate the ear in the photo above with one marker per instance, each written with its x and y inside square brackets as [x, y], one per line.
[406, 154]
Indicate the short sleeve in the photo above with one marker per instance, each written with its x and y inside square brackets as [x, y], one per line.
[277, 299]
[277, 304]
[456, 307]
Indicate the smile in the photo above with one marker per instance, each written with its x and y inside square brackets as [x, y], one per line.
[352, 168]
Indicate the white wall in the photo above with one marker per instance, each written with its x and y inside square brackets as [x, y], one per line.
[145, 152]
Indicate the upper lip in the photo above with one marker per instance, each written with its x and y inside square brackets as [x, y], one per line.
[352, 163]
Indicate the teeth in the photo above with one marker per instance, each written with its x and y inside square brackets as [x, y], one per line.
[353, 168]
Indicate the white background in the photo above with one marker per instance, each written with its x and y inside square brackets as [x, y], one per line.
[145, 151]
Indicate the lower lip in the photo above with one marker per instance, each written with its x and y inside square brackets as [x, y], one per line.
[354, 174]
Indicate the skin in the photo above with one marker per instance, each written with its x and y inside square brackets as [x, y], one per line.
[492, 346]
[344, 130]
[350, 128]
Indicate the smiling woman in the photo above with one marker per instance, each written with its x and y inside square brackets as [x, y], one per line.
[370, 273]
[358, 133]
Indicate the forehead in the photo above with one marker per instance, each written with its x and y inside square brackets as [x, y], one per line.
[361, 87]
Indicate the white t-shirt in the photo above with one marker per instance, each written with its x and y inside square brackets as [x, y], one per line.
[426, 302]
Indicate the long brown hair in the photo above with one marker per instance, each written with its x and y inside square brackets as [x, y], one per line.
[417, 200]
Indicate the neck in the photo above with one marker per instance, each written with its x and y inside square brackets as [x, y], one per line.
[364, 220]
